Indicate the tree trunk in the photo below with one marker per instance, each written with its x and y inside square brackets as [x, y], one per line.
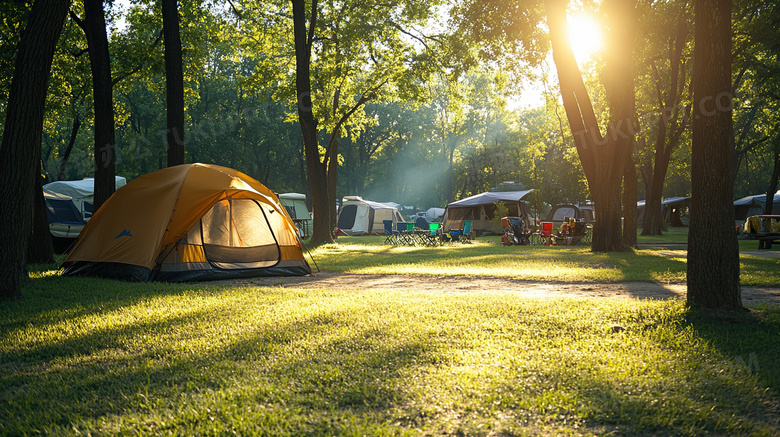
[772, 189]
[21, 145]
[40, 249]
[603, 158]
[713, 253]
[73, 133]
[174, 82]
[333, 169]
[670, 128]
[102, 92]
[629, 203]
[652, 223]
[322, 228]
[450, 170]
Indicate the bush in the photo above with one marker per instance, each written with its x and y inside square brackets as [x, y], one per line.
[495, 222]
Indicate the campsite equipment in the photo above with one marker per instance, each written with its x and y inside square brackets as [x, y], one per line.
[360, 217]
[391, 235]
[764, 228]
[543, 234]
[189, 222]
[481, 209]
[574, 232]
[515, 232]
[82, 192]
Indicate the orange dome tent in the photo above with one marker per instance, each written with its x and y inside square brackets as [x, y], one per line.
[189, 222]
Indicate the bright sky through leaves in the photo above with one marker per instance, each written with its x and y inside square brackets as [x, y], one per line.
[585, 36]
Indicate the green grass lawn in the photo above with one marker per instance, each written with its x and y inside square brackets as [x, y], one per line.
[88, 356]
[486, 257]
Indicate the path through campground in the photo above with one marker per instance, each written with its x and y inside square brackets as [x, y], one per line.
[751, 296]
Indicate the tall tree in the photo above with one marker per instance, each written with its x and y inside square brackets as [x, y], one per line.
[672, 120]
[317, 169]
[603, 158]
[363, 53]
[713, 254]
[629, 199]
[94, 26]
[21, 146]
[174, 82]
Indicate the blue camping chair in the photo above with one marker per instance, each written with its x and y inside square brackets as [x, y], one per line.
[461, 234]
[391, 235]
[465, 237]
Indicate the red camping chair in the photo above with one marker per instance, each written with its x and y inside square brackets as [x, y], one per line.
[544, 234]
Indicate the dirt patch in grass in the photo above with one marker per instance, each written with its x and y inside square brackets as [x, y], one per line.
[751, 296]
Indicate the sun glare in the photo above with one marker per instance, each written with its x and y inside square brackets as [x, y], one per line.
[585, 36]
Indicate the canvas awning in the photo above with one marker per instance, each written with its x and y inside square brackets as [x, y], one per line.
[758, 198]
[491, 197]
[480, 210]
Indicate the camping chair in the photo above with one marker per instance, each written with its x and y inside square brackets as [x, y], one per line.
[563, 233]
[418, 235]
[391, 235]
[433, 238]
[578, 233]
[445, 236]
[459, 234]
[518, 231]
[514, 232]
[508, 237]
[544, 234]
[403, 237]
[466, 235]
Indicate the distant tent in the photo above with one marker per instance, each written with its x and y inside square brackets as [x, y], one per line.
[395, 205]
[81, 192]
[481, 208]
[189, 222]
[671, 211]
[434, 214]
[295, 203]
[360, 217]
[577, 211]
[65, 220]
[754, 205]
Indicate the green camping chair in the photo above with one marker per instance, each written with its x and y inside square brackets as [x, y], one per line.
[433, 237]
